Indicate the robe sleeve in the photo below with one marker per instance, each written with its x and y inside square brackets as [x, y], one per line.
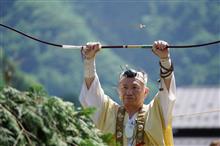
[93, 97]
[167, 99]
[158, 126]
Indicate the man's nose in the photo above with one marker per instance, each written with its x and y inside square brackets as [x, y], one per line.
[129, 92]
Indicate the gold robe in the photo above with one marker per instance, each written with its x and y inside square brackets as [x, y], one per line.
[156, 133]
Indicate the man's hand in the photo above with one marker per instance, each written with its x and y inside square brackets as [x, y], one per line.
[91, 49]
[160, 48]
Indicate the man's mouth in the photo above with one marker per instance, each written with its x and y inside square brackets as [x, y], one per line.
[129, 97]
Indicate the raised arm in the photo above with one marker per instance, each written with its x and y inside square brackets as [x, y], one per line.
[167, 95]
[160, 48]
[89, 54]
[92, 94]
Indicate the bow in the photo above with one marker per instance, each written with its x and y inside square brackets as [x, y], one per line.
[112, 46]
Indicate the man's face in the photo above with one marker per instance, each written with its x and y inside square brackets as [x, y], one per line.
[132, 92]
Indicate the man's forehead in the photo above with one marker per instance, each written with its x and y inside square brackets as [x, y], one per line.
[130, 81]
[133, 74]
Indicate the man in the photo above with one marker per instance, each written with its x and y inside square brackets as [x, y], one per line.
[134, 123]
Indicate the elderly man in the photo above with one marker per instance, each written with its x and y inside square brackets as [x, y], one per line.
[133, 123]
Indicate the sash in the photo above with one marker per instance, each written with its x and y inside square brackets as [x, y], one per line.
[141, 118]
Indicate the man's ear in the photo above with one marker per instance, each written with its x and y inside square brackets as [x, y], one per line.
[146, 91]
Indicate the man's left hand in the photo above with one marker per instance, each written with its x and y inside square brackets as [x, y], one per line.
[160, 48]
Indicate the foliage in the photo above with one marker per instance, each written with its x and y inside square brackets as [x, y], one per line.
[33, 118]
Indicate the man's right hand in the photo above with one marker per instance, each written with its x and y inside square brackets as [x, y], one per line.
[91, 49]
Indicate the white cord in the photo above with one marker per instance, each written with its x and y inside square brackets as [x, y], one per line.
[71, 47]
[89, 68]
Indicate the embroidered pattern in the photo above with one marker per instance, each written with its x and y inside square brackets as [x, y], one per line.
[139, 126]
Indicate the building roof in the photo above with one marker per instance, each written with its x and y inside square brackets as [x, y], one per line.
[191, 101]
[187, 141]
